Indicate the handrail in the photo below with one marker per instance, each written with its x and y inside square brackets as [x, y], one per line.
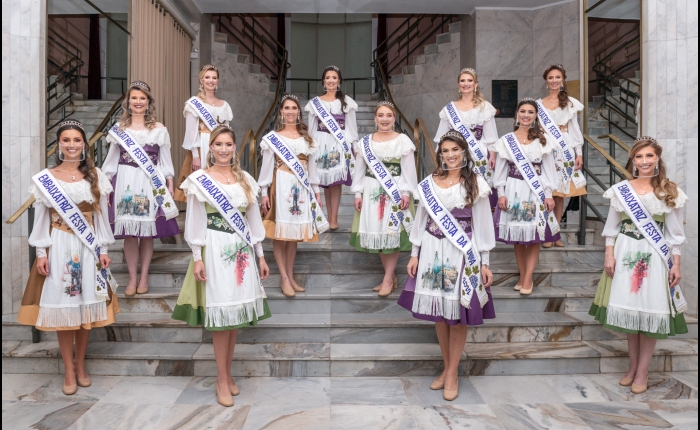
[26, 205]
[421, 139]
[612, 161]
[248, 142]
[617, 140]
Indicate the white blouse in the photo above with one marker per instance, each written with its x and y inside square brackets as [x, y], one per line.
[222, 115]
[483, 115]
[157, 136]
[483, 232]
[673, 223]
[536, 153]
[298, 146]
[78, 192]
[196, 220]
[399, 148]
[568, 116]
[335, 107]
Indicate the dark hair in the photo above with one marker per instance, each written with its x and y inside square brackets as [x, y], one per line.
[536, 132]
[466, 173]
[338, 94]
[302, 128]
[563, 95]
[86, 167]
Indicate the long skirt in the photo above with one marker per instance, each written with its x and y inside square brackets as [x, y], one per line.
[289, 218]
[330, 164]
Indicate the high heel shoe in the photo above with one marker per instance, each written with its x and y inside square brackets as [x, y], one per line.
[69, 390]
[518, 287]
[559, 244]
[234, 390]
[547, 244]
[437, 385]
[140, 290]
[223, 400]
[450, 395]
[387, 293]
[130, 292]
[287, 294]
[640, 388]
[298, 288]
[395, 285]
[626, 382]
[524, 292]
[84, 382]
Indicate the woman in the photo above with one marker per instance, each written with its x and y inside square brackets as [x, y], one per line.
[478, 116]
[634, 293]
[286, 203]
[438, 269]
[202, 114]
[522, 217]
[335, 159]
[64, 293]
[222, 290]
[371, 229]
[137, 216]
[563, 110]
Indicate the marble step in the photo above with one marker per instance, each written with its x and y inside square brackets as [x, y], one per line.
[328, 359]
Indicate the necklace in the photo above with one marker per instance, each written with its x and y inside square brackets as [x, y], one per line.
[647, 189]
[72, 175]
[228, 179]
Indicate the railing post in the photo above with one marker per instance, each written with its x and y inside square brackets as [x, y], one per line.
[353, 90]
[308, 90]
[612, 144]
[583, 209]
[36, 334]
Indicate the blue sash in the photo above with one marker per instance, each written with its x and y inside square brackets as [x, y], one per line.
[479, 153]
[567, 165]
[337, 132]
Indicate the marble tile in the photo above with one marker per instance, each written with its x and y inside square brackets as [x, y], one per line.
[683, 414]
[680, 363]
[29, 365]
[362, 417]
[38, 415]
[688, 378]
[543, 415]
[367, 391]
[618, 348]
[661, 387]
[621, 364]
[515, 389]
[585, 388]
[288, 417]
[268, 351]
[511, 51]
[146, 390]
[547, 17]
[396, 351]
[138, 350]
[122, 417]
[570, 12]
[455, 416]
[294, 392]
[571, 52]
[418, 392]
[618, 415]
[196, 417]
[513, 351]
[503, 20]
[20, 386]
[201, 391]
[51, 391]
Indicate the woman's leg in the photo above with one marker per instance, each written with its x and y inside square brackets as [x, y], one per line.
[65, 344]
[328, 194]
[223, 367]
[290, 252]
[443, 335]
[233, 334]
[646, 351]
[131, 255]
[532, 253]
[633, 347]
[81, 343]
[558, 208]
[458, 337]
[521, 260]
[337, 193]
[279, 248]
[146, 254]
[389, 261]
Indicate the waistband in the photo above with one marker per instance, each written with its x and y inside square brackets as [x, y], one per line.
[216, 222]
[393, 168]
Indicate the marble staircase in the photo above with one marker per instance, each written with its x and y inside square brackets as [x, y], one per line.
[339, 327]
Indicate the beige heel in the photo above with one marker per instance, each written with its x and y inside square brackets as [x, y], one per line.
[640, 388]
[84, 382]
[626, 382]
[437, 385]
[234, 390]
[69, 390]
[226, 401]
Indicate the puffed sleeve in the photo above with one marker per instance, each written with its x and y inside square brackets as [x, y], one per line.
[500, 175]
[165, 159]
[416, 236]
[673, 225]
[103, 229]
[358, 176]
[490, 132]
[111, 163]
[195, 225]
[576, 135]
[408, 180]
[257, 230]
[443, 127]
[313, 120]
[483, 232]
[549, 174]
[614, 221]
[313, 172]
[351, 134]
[40, 237]
[191, 142]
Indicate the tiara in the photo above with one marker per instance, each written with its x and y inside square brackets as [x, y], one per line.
[289, 96]
[467, 70]
[527, 99]
[222, 126]
[334, 68]
[645, 138]
[558, 66]
[452, 133]
[141, 85]
[71, 122]
[209, 67]
[386, 103]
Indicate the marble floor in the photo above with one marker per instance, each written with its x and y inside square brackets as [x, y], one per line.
[591, 401]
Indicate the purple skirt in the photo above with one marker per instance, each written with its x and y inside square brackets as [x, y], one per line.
[548, 236]
[347, 181]
[164, 227]
[474, 316]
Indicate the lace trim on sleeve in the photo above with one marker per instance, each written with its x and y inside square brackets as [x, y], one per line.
[485, 258]
[104, 183]
[676, 250]
[197, 252]
[41, 252]
[104, 250]
[610, 241]
[415, 251]
[259, 249]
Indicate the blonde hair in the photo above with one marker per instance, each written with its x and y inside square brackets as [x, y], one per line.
[664, 189]
[201, 94]
[478, 98]
[125, 118]
[236, 170]
[302, 128]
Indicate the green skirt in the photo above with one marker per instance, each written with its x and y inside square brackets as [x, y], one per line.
[191, 304]
[404, 243]
[598, 310]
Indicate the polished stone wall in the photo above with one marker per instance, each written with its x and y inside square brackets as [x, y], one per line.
[23, 131]
[670, 109]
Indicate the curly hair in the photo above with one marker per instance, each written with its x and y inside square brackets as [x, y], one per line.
[478, 98]
[563, 95]
[201, 94]
[86, 167]
[664, 189]
[302, 128]
[536, 132]
[236, 170]
[467, 175]
[125, 119]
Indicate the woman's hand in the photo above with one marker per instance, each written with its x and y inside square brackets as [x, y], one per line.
[200, 273]
[609, 264]
[486, 275]
[674, 276]
[264, 270]
[169, 181]
[358, 204]
[196, 163]
[492, 160]
[412, 267]
[404, 202]
[549, 204]
[579, 162]
[503, 203]
[42, 266]
[265, 205]
[318, 199]
[105, 261]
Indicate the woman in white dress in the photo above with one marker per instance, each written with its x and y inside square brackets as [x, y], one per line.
[196, 132]
[477, 114]
[61, 289]
[373, 206]
[222, 290]
[285, 203]
[433, 288]
[563, 109]
[634, 293]
[134, 212]
[516, 216]
[331, 159]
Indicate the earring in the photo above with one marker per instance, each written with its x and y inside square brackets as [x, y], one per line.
[299, 119]
[233, 159]
[212, 159]
[459, 91]
[376, 127]
[475, 90]
[129, 108]
[561, 88]
[634, 170]
[216, 88]
[517, 123]
[443, 165]
[60, 154]
[148, 109]
[533, 125]
[82, 154]
[201, 87]
[656, 170]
